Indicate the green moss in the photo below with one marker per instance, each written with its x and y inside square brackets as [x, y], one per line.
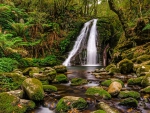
[78, 81]
[60, 68]
[142, 69]
[49, 88]
[146, 80]
[108, 82]
[45, 82]
[110, 66]
[61, 78]
[61, 106]
[114, 70]
[98, 91]
[135, 81]
[125, 66]
[131, 102]
[146, 90]
[142, 59]
[98, 111]
[126, 94]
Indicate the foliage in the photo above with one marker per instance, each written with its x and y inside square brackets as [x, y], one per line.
[50, 60]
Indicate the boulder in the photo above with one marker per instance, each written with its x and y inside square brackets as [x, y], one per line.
[61, 78]
[126, 94]
[98, 91]
[69, 102]
[146, 81]
[49, 88]
[114, 88]
[131, 102]
[33, 88]
[114, 70]
[135, 81]
[108, 82]
[17, 93]
[78, 81]
[60, 68]
[110, 66]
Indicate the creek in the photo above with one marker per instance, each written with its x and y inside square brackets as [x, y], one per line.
[65, 89]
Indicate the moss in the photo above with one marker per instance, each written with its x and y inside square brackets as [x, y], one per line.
[45, 82]
[78, 81]
[125, 66]
[110, 66]
[146, 80]
[9, 104]
[142, 59]
[135, 81]
[114, 70]
[131, 102]
[49, 88]
[146, 90]
[108, 82]
[98, 111]
[61, 78]
[60, 68]
[68, 102]
[142, 69]
[126, 94]
[98, 91]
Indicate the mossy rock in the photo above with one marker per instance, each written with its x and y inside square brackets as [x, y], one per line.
[126, 94]
[10, 104]
[125, 66]
[110, 66]
[142, 59]
[68, 102]
[17, 93]
[146, 80]
[131, 102]
[61, 78]
[31, 70]
[142, 70]
[114, 88]
[146, 90]
[78, 81]
[49, 88]
[135, 81]
[60, 68]
[114, 70]
[33, 88]
[44, 82]
[98, 111]
[98, 91]
[108, 82]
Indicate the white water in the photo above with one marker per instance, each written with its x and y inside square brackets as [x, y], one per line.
[91, 47]
[78, 42]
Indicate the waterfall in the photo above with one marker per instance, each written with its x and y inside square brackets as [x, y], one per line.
[91, 45]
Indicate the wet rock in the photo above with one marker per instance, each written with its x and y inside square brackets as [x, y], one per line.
[17, 93]
[61, 78]
[108, 82]
[114, 88]
[69, 102]
[49, 88]
[60, 68]
[146, 80]
[29, 104]
[135, 81]
[126, 94]
[98, 91]
[78, 81]
[107, 108]
[33, 88]
[146, 90]
[129, 102]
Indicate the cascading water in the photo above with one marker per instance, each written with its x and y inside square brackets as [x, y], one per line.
[91, 47]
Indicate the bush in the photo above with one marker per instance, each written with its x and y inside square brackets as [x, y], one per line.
[49, 61]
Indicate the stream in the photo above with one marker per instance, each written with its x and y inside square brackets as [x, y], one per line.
[65, 89]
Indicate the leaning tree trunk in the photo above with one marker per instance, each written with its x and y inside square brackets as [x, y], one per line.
[121, 17]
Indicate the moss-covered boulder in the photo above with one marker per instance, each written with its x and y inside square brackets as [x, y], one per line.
[108, 82]
[33, 88]
[61, 78]
[17, 93]
[98, 111]
[146, 90]
[78, 81]
[68, 102]
[135, 81]
[107, 108]
[143, 70]
[126, 94]
[49, 88]
[146, 81]
[60, 68]
[98, 91]
[114, 70]
[131, 102]
[30, 71]
[12, 104]
[125, 66]
[114, 88]
[110, 66]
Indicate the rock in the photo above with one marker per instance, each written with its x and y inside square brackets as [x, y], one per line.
[107, 108]
[17, 93]
[61, 78]
[125, 66]
[98, 111]
[49, 88]
[114, 88]
[69, 102]
[30, 71]
[143, 70]
[142, 58]
[135, 81]
[33, 88]
[60, 68]
[110, 66]
[114, 70]
[126, 94]
[40, 76]
[108, 82]
[98, 91]
[29, 104]
[146, 90]
[131, 102]
[78, 81]
[146, 80]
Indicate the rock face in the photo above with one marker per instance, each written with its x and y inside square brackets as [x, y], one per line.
[33, 88]
[114, 88]
[60, 68]
[68, 102]
[146, 80]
